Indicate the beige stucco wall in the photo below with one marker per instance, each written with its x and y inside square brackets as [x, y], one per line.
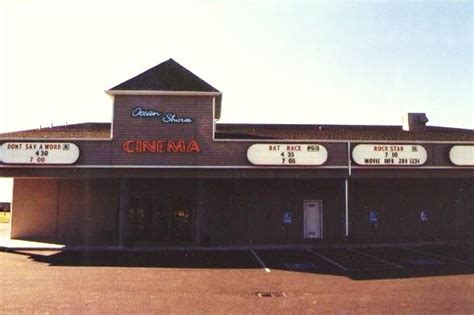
[34, 208]
[70, 211]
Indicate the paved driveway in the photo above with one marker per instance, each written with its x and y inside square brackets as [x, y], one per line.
[416, 280]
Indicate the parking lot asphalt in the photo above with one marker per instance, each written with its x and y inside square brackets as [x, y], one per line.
[396, 279]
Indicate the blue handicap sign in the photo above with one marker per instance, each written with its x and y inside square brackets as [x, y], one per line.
[287, 217]
[424, 217]
[373, 217]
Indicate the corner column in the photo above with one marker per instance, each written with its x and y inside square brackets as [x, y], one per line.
[200, 237]
[124, 202]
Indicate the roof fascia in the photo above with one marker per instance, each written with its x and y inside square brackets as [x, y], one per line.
[157, 92]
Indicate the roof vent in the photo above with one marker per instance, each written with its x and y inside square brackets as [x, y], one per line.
[414, 121]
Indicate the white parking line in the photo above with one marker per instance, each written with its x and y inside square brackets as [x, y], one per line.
[327, 259]
[374, 257]
[260, 261]
[438, 256]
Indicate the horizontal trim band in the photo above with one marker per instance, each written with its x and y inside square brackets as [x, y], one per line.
[355, 142]
[168, 167]
[53, 139]
[380, 168]
[256, 141]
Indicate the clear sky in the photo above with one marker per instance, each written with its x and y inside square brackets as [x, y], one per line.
[293, 61]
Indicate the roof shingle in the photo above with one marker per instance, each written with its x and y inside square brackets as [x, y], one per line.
[267, 131]
[167, 76]
[74, 131]
[340, 132]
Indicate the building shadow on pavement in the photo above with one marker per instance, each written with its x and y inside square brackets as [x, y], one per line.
[409, 264]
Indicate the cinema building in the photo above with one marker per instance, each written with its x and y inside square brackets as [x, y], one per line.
[165, 172]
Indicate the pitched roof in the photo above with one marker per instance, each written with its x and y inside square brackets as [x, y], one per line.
[167, 76]
[267, 131]
[339, 132]
[79, 131]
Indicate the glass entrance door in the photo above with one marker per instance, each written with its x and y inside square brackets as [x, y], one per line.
[153, 220]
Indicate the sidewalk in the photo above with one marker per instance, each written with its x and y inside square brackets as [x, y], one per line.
[11, 244]
[7, 244]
